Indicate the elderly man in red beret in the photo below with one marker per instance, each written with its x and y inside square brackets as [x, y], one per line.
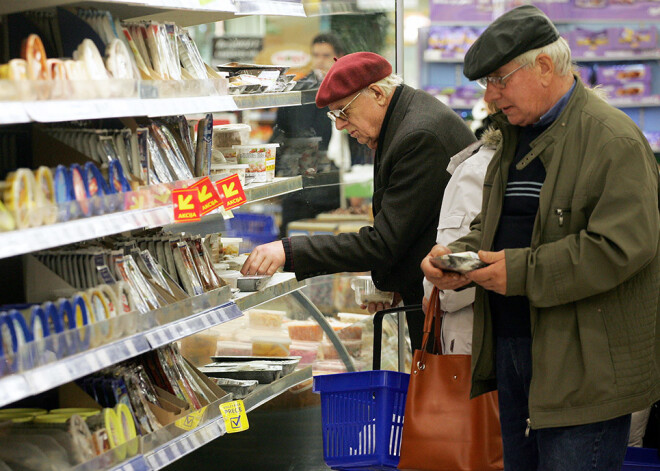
[414, 136]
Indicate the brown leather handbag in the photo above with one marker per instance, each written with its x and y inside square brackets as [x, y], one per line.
[443, 429]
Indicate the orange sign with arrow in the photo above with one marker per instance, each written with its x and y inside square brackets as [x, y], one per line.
[187, 207]
[208, 195]
[232, 191]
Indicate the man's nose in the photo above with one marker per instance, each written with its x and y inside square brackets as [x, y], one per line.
[492, 92]
[340, 124]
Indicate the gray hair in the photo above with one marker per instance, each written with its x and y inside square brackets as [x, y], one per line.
[389, 83]
[559, 52]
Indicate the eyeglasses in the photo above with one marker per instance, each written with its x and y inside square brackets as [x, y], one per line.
[341, 114]
[497, 82]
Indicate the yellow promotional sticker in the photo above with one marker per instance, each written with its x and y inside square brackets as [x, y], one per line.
[191, 420]
[235, 417]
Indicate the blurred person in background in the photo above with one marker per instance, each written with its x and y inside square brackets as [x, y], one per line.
[308, 121]
[413, 135]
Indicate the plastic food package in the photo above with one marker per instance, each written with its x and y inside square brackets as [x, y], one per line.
[231, 348]
[263, 318]
[307, 351]
[305, 330]
[239, 388]
[226, 170]
[227, 135]
[366, 292]
[199, 348]
[270, 346]
[231, 245]
[255, 158]
[354, 348]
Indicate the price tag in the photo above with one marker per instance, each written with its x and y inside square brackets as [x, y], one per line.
[187, 207]
[208, 195]
[235, 417]
[191, 420]
[231, 190]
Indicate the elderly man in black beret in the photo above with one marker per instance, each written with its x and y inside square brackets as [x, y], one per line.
[566, 312]
[414, 136]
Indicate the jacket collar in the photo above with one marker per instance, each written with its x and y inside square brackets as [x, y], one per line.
[384, 138]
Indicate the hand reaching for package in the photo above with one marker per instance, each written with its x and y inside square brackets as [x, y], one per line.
[265, 259]
[375, 307]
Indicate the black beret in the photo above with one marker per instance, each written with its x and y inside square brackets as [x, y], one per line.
[515, 32]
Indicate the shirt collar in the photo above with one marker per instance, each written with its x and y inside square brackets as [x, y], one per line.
[556, 110]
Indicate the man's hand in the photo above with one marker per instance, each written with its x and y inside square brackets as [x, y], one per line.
[265, 259]
[375, 307]
[492, 277]
[439, 278]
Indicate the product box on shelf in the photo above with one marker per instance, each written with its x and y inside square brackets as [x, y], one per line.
[627, 90]
[626, 38]
[584, 42]
[623, 73]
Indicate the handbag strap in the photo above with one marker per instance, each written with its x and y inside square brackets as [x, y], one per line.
[432, 321]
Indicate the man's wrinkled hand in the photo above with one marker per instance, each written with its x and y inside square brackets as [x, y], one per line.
[492, 277]
[265, 259]
[441, 279]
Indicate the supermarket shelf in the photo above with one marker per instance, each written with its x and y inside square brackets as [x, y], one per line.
[623, 56]
[51, 111]
[201, 312]
[342, 7]
[270, 7]
[279, 285]
[641, 102]
[24, 241]
[436, 55]
[278, 187]
[43, 237]
[183, 12]
[211, 424]
[267, 392]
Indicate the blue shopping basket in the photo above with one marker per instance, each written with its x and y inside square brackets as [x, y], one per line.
[641, 459]
[362, 413]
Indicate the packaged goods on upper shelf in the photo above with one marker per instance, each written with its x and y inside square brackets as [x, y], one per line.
[47, 195]
[452, 41]
[157, 151]
[255, 78]
[110, 64]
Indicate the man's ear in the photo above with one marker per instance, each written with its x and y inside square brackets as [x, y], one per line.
[546, 68]
[380, 97]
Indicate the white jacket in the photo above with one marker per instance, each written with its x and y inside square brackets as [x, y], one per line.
[460, 205]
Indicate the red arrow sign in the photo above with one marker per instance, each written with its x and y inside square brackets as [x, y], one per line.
[232, 191]
[208, 195]
[187, 207]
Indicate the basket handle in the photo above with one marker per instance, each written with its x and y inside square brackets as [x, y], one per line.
[378, 330]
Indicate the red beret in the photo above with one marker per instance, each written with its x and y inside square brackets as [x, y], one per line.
[350, 74]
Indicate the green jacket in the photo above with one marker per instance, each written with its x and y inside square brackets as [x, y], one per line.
[591, 273]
